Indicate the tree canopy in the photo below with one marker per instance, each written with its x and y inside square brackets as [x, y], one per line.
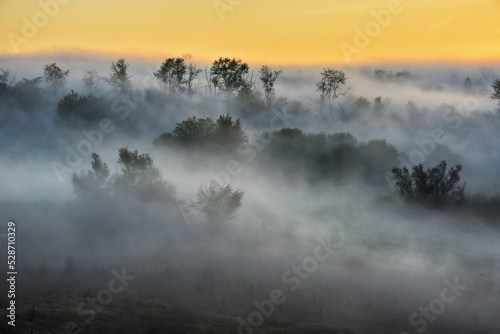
[229, 75]
[119, 78]
[330, 85]
[496, 90]
[55, 77]
[223, 134]
[138, 178]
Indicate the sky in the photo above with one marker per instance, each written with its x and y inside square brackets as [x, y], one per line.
[272, 31]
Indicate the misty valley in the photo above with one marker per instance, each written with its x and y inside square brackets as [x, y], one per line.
[230, 198]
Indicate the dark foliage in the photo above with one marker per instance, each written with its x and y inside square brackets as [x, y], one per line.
[336, 157]
[436, 187]
[222, 135]
[74, 108]
[218, 201]
[138, 178]
[27, 94]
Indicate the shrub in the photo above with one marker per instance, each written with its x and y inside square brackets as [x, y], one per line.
[435, 187]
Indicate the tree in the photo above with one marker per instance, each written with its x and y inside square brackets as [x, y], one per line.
[138, 178]
[75, 108]
[164, 74]
[91, 81]
[55, 77]
[92, 183]
[28, 94]
[467, 83]
[210, 83]
[171, 73]
[218, 201]
[228, 134]
[5, 81]
[362, 103]
[192, 73]
[178, 72]
[194, 130]
[435, 187]
[330, 85]
[119, 78]
[268, 78]
[496, 88]
[223, 135]
[228, 75]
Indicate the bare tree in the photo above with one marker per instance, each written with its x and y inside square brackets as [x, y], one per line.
[91, 81]
[209, 86]
[192, 73]
[268, 78]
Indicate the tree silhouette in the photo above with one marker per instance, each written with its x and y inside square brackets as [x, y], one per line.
[268, 78]
[192, 73]
[496, 90]
[5, 81]
[194, 130]
[224, 134]
[467, 83]
[435, 187]
[138, 178]
[76, 108]
[228, 75]
[330, 85]
[164, 74]
[119, 78]
[91, 81]
[228, 133]
[172, 72]
[27, 93]
[94, 182]
[55, 77]
[219, 202]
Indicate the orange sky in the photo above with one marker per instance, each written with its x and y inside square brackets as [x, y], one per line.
[271, 31]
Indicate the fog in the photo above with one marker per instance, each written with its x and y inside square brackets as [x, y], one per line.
[369, 261]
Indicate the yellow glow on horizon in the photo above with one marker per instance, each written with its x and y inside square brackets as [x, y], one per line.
[279, 31]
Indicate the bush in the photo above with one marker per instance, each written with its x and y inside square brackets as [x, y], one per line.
[218, 201]
[138, 178]
[435, 187]
[74, 107]
[223, 135]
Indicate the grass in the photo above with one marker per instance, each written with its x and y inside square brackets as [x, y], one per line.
[130, 314]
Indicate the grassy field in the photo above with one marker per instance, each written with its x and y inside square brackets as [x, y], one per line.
[57, 314]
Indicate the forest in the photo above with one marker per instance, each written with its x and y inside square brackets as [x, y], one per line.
[233, 198]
